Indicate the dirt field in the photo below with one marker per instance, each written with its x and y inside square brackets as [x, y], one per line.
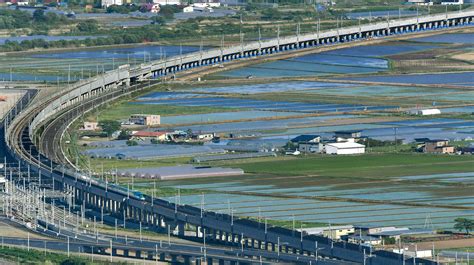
[460, 243]
[6, 262]
[12, 97]
[468, 56]
[8, 230]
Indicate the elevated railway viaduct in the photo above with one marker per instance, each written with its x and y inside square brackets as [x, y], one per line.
[28, 135]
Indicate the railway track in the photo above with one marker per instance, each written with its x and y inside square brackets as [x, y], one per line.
[42, 154]
[53, 132]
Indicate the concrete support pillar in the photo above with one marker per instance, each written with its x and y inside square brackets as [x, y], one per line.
[181, 229]
[209, 261]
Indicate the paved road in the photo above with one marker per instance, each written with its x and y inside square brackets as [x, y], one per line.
[67, 240]
[231, 253]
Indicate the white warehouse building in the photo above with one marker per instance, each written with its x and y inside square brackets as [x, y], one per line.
[107, 3]
[167, 2]
[425, 112]
[345, 148]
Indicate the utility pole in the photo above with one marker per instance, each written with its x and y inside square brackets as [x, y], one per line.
[319, 28]
[68, 246]
[200, 51]
[153, 193]
[259, 40]
[169, 235]
[316, 250]
[242, 242]
[278, 246]
[241, 42]
[278, 37]
[202, 205]
[222, 49]
[69, 74]
[298, 31]
[180, 54]
[111, 250]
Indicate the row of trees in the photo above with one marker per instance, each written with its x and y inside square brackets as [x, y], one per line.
[122, 9]
[16, 19]
[191, 28]
[148, 33]
[167, 11]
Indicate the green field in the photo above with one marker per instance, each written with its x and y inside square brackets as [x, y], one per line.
[23, 256]
[359, 166]
[97, 164]
[123, 110]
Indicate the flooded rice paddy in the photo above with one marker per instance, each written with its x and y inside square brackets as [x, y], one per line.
[465, 79]
[310, 107]
[46, 38]
[381, 14]
[465, 38]
[266, 88]
[80, 64]
[224, 116]
[262, 105]
[311, 65]
[354, 60]
[418, 201]
[309, 203]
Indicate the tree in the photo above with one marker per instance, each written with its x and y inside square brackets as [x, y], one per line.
[464, 224]
[189, 132]
[38, 15]
[88, 26]
[73, 261]
[290, 146]
[157, 20]
[109, 126]
[168, 11]
[132, 143]
[124, 135]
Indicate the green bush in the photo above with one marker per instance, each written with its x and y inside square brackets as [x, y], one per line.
[132, 143]
[88, 26]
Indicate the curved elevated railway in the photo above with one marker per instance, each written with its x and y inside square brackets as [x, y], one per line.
[45, 122]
